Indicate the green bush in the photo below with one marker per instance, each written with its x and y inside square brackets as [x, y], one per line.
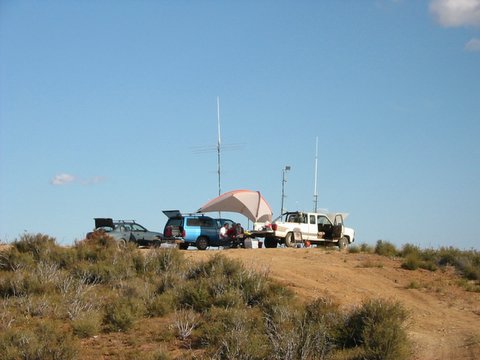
[39, 245]
[234, 334]
[160, 305]
[87, 325]
[120, 315]
[158, 261]
[22, 283]
[378, 326]
[44, 340]
[367, 248]
[167, 281]
[412, 262]
[410, 250]
[218, 265]
[13, 260]
[292, 334]
[195, 295]
[385, 248]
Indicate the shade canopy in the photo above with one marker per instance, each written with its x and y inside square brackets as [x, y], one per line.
[247, 202]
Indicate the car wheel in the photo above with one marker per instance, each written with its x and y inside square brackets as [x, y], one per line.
[342, 243]
[290, 240]
[271, 242]
[202, 243]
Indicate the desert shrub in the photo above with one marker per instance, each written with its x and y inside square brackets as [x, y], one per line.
[429, 265]
[366, 248]
[159, 305]
[158, 261]
[410, 249]
[253, 285]
[411, 262]
[326, 311]
[218, 265]
[167, 281]
[277, 295]
[195, 295]
[100, 246]
[385, 248]
[294, 335]
[448, 256]
[186, 320]
[234, 334]
[22, 283]
[87, 325]
[13, 260]
[44, 340]
[120, 315]
[108, 271]
[354, 249]
[39, 245]
[378, 326]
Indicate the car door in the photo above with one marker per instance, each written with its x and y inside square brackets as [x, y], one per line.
[324, 226]
[312, 227]
[138, 232]
[338, 227]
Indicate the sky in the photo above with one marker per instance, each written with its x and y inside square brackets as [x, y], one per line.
[109, 109]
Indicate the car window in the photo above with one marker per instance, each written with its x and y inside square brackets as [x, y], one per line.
[175, 222]
[207, 222]
[292, 218]
[136, 227]
[201, 221]
[323, 220]
[312, 219]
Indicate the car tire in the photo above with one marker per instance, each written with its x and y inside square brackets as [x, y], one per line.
[342, 243]
[270, 242]
[290, 240]
[202, 243]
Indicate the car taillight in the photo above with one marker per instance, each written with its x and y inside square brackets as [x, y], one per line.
[274, 227]
[168, 231]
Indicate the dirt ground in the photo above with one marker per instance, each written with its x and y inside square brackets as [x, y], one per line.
[445, 319]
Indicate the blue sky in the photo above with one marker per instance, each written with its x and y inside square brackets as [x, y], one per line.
[104, 104]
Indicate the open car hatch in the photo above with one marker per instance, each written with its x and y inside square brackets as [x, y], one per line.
[172, 213]
[103, 222]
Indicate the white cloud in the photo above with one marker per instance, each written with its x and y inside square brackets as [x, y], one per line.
[473, 45]
[453, 13]
[62, 179]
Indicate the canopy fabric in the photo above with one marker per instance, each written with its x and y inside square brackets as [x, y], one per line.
[247, 202]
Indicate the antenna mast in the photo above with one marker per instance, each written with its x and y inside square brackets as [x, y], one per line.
[315, 193]
[218, 147]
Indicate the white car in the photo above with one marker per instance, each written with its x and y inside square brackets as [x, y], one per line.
[317, 228]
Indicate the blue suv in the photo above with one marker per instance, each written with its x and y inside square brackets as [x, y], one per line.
[195, 229]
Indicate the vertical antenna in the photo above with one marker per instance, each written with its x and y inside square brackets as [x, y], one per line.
[218, 147]
[315, 193]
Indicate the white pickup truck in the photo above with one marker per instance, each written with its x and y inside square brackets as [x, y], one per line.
[317, 228]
